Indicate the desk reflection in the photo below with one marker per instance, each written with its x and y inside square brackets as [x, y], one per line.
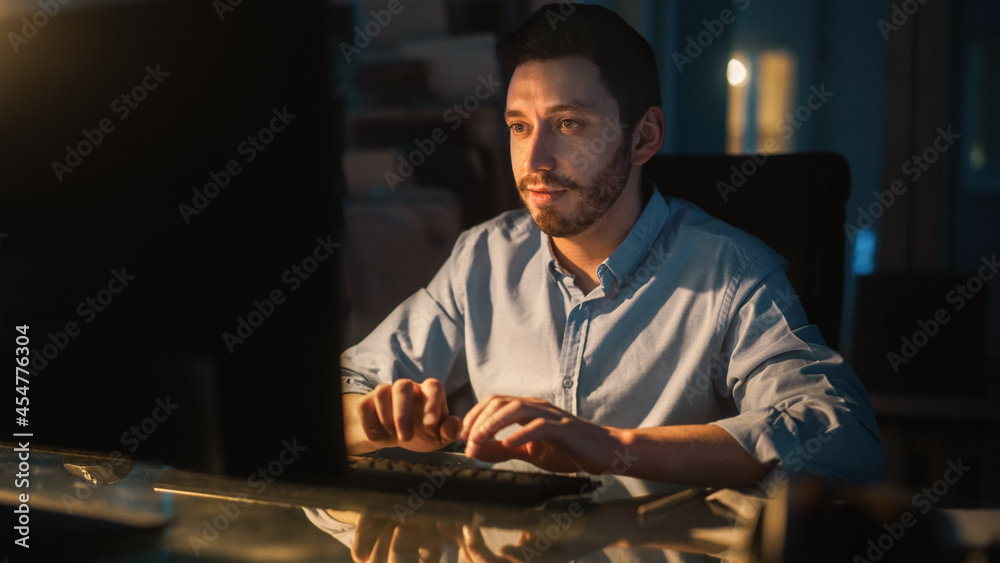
[109, 508]
[565, 530]
[105, 508]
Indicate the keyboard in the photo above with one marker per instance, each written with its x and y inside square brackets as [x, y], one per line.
[460, 480]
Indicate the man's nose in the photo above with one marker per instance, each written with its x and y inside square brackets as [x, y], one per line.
[540, 153]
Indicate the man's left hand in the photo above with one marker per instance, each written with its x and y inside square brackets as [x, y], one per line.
[549, 437]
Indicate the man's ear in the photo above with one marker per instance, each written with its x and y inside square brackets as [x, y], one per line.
[648, 136]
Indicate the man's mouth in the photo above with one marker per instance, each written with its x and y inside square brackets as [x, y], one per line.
[542, 195]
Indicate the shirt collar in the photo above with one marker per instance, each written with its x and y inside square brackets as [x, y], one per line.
[556, 272]
[624, 260]
[631, 251]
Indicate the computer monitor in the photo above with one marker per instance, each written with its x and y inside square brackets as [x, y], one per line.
[169, 222]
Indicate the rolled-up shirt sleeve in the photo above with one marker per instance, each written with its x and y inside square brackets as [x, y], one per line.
[800, 404]
[420, 339]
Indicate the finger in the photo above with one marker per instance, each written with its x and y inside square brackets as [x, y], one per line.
[495, 452]
[450, 429]
[492, 421]
[417, 416]
[365, 537]
[511, 553]
[449, 532]
[405, 544]
[470, 548]
[402, 409]
[474, 430]
[473, 415]
[370, 423]
[381, 552]
[538, 429]
[382, 397]
[430, 551]
[476, 546]
[463, 551]
[435, 402]
[557, 445]
[431, 554]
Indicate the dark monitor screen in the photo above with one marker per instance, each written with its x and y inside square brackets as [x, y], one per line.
[169, 218]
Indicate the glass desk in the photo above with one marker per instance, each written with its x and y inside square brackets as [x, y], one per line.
[95, 508]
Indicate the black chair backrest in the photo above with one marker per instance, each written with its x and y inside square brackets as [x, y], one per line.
[792, 202]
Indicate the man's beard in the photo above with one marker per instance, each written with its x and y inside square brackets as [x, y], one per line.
[595, 199]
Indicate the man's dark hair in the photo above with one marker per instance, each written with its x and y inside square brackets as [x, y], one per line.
[625, 59]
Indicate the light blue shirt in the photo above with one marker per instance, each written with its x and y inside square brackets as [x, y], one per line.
[693, 322]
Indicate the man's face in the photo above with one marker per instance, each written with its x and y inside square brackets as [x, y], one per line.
[569, 155]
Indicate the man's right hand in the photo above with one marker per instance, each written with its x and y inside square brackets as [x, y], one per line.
[407, 414]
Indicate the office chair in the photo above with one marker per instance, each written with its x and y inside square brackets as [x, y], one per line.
[792, 202]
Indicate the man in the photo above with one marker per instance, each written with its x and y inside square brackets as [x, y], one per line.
[605, 320]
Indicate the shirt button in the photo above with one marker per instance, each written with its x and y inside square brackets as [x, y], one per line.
[567, 383]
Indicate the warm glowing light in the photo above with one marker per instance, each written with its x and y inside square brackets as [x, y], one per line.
[977, 157]
[736, 72]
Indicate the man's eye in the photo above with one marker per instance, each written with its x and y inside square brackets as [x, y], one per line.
[517, 128]
[569, 124]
